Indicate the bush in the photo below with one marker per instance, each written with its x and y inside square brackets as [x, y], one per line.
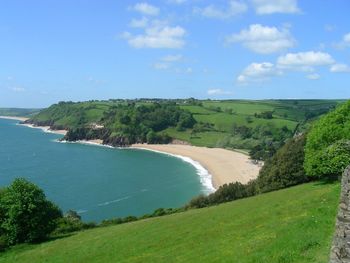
[285, 168]
[27, 216]
[71, 222]
[327, 149]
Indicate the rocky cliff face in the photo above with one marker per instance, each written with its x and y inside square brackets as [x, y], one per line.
[340, 251]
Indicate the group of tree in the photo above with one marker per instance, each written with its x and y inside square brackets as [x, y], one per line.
[327, 150]
[25, 214]
[133, 123]
[264, 115]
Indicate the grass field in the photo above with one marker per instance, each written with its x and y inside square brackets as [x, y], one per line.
[290, 225]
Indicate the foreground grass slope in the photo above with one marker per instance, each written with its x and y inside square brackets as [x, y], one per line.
[291, 225]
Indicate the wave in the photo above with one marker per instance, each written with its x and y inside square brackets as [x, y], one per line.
[205, 177]
[86, 143]
[114, 201]
[45, 129]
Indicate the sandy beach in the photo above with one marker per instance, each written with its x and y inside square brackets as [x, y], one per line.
[44, 128]
[225, 166]
[14, 118]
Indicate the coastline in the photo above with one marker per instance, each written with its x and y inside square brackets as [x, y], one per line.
[46, 129]
[14, 118]
[215, 166]
[223, 165]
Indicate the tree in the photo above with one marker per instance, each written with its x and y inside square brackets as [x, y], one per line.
[285, 168]
[26, 214]
[327, 150]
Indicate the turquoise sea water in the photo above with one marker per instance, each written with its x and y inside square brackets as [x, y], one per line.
[98, 182]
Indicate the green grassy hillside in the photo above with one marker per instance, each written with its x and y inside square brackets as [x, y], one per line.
[291, 225]
[232, 124]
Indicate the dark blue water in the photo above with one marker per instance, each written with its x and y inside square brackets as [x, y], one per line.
[98, 182]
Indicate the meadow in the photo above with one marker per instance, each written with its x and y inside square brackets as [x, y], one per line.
[290, 225]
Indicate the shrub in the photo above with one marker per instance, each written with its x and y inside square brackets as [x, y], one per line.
[326, 151]
[27, 216]
[285, 168]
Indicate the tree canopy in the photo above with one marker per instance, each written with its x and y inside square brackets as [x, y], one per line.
[327, 150]
[25, 213]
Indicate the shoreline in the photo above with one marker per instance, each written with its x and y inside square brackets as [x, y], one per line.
[215, 166]
[205, 177]
[16, 118]
[223, 165]
[46, 129]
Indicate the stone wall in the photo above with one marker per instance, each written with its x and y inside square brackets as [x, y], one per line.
[340, 251]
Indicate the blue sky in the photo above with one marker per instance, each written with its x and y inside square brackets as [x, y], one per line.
[53, 50]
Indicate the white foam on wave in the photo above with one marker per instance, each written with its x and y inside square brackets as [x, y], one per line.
[205, 177]
[114, 201]
[45, 129]
[86, 143]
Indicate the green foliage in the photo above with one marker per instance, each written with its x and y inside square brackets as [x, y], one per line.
[327, 148]
[290, 225]
[285, 168]
[71, 222]
[264, 115]
[225, 193]
[26, 214]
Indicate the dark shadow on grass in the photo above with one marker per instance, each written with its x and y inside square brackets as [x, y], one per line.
[50, 239]
[328, 180]
[28, 246]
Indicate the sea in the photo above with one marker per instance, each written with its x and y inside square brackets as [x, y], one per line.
[96, 181]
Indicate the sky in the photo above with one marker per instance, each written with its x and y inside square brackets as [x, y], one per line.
[76, 50]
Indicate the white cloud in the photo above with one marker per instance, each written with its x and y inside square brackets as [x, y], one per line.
[340, 68]
[17, 89]
[258, 72]
[346, 38]
[146, 9]
[313, 76]
[263, 39]
[266, 7]
[177, 1]
[218, 92]
[157, 35]
[234, 8]
[329, 28]
[139, 23]
[344, 43]
[304, 61]
[172, 58]
[161, 66]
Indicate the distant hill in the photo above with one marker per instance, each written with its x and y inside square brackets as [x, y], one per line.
[290, 225]
[234, 124]
[18, 112]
